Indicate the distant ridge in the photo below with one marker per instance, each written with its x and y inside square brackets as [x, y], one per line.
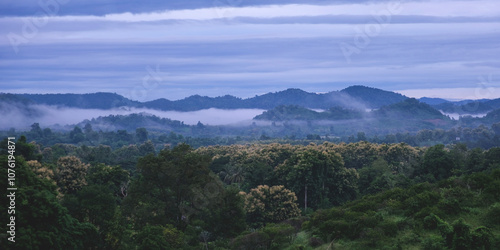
[354, 97]
[98, 100]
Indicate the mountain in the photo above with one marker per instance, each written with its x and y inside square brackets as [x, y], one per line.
[468, 108]
[132, 122]
[12, 105]
[410, 109]
[286, 97]
[297, 113]
[372, 97]
[433, 101]
[355, 97]
[85, 101]
[13, 98]
[197, 102]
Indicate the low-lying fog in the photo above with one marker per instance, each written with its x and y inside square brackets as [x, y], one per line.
[457, 116]
[46, 116]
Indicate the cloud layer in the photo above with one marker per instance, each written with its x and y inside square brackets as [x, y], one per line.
[235, 47]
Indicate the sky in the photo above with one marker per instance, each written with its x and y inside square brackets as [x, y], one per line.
[145, 50]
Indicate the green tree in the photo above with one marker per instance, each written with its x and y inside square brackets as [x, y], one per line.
[475, 161]
[77, 135]
[318, 178]
[266, 204]
[70, 174]
[36, 131]
[376, 178]
[159, 237]
[141, 134]
[228, 220]
[41, 222]
[437, 163]
[492, 158]
[172, 188]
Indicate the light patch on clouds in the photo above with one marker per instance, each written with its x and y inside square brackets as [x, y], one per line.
[484, 8]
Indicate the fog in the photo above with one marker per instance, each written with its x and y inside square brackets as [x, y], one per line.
[457, 116]
[22, 117]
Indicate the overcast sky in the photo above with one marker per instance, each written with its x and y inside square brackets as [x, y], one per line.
[154, 49]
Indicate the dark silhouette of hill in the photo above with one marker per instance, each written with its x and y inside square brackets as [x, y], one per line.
[85, 101]
[358, 97]
[294, 112]
[372, 97]
[410, 109]
[354, 97]
[433, 101]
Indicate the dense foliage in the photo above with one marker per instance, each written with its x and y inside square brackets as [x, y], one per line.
[257, 196]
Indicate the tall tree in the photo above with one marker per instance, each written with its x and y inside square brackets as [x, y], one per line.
[319, 178]
[172, 188]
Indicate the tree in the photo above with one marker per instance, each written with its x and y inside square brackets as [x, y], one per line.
[492, 158]
[233, 174]
[266, 204]
[70, 174]
[159, 237]
[113, 178]
[76, 135]
[141, 134]
[36, 131]
[475, 161]
[376, 178]
[172, 188]
[319, 178]
[146, 148]
[228, 220]
[41, 222]
[436, 162]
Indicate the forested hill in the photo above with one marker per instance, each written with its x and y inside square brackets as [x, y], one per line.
[408, 108]
[84, 101]
[374, 98]
[294, 112]
[359, 97]
[354, 97]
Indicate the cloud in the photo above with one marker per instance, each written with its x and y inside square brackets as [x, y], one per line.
[245, 48]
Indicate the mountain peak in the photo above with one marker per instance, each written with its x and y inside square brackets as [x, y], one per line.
[374, 97]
